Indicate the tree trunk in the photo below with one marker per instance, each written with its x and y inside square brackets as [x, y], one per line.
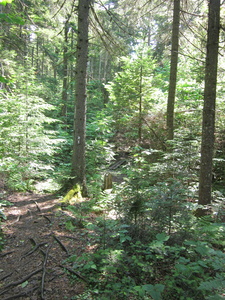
[140, 105]
[78, 157]
[173, 69]
[208, 123]
[65, 73]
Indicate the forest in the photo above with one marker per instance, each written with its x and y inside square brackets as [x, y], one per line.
[114, 111]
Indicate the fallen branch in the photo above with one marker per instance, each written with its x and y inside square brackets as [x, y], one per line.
[74, 272]
[60, 243]
[15, 283]
[44, 272]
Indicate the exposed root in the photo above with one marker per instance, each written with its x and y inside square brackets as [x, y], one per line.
[15, 283]
[61, 244]
[23, 294]
[33, 250]
[44, 272]
[74, 272]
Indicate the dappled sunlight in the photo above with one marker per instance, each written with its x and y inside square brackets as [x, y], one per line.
[36, 232]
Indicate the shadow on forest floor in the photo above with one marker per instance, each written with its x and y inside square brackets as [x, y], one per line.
[32, 263]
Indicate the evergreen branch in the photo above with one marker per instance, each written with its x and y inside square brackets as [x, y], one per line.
[60, 8]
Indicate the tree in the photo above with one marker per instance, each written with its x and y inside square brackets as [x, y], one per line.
[173, 69]
[208, 123]
[65, 72]
[78, 156]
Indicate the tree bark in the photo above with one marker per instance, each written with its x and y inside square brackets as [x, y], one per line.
[140, 105]
[173, 70]
[65, 73]
[208, 123]
[78, 157]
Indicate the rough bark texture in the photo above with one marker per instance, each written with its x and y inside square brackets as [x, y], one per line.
[173, 69]
[78, 159]
[208, 123]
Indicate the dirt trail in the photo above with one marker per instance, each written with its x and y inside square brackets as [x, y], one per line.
[37, 245]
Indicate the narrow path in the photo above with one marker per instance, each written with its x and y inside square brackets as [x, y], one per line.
[32, 264]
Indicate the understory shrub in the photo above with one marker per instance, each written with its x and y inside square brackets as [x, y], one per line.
[123, 268]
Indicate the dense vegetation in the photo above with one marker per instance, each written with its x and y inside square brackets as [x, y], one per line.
[146, 241]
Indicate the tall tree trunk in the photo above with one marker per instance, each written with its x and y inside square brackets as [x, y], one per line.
[140, 105]
[65, 73]
[78, 157]
[208, 123]
[173, 69]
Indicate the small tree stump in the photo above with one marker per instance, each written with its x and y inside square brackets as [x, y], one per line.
[107, 181]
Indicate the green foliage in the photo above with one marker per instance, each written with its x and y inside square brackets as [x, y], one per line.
[154, 291]
[4, 2]
[11, 19]
[134, 92]
[25, 140]
[201, 272]
[157, 267]
[147, 243]
[99, 148]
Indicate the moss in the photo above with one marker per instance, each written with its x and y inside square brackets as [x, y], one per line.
[74, 195]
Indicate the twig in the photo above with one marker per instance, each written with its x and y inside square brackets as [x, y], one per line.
[44, 272]
[15, 283]
[60, 243]
[59, 9]
[74, 272]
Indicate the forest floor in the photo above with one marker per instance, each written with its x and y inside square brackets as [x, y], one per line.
[33, 262]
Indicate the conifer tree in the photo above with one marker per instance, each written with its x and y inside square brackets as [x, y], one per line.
[78, 157]
[208, 123]
[173, 69]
